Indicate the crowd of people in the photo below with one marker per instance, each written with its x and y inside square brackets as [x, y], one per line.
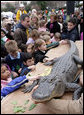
[26, 40]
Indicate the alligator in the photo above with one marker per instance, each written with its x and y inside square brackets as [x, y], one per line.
[60, 79]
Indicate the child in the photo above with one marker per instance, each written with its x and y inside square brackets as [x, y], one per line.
[15, 58]
[30, 48]
[5, 75]
[28, 64]
[42, 26]
[46, 38]
[34, 21]
[39, 54]
[72, 33]
[57, 37]
[4, 39]
[50, 44]
[7, 84]
[33, 36]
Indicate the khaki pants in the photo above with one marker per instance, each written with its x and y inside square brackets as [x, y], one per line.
[66, 106]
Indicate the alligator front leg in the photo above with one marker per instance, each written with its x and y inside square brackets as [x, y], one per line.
[30, 87]
[78, 60]
[51, 62]
[76, 88]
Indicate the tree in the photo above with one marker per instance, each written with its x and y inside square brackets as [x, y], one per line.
[27, 8]
[10, 7]
[42, 4]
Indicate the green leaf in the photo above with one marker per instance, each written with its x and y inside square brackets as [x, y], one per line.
[32, 106]
[26, 102]
[14, 102]
[19, 109]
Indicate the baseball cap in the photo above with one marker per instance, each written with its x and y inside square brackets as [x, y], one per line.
[21, 5]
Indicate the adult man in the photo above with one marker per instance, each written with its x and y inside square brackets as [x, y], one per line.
[22, 33]
[20, 12]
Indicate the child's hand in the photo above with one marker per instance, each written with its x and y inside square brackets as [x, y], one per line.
[51, 34]
[19, 71]
[32, 78]
[33, 67]
[33, 99]
[45, 60]
[14, 74]
[62, 42]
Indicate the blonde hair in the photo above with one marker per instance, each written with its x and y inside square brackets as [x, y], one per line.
[11, 46]
[46, 38]
[34, 33]
[34, 16]
[44, 33]
[58, 35]
[41, 23]
[38, 43]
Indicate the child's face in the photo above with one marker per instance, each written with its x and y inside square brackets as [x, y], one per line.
[5, 73]
[2, 34]
[70, 26]
[42, 47]
[14, 54]
[29, 49]
[57, 38]
[30, 62]
[40, 16]
[34, 19]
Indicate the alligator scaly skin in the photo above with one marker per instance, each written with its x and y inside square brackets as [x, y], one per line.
[62, 75]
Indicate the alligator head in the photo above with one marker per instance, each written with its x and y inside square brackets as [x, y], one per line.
[48, 89]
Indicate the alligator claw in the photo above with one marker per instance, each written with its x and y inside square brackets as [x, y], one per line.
[27, 89]
[48, 63]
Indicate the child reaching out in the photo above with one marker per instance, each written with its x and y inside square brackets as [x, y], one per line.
[56, 38]
[28, 64]
[8, 85]
[14, 58]
[34, 35]
[40, 52]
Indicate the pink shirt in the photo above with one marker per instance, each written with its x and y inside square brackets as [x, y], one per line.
[82, 36]
[42, 29]
[53, 40]
[5, 82]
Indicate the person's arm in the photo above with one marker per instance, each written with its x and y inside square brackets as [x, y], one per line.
[16, 83]
[13, 85]
[52, 45]
[59, 106]
[39, 58]
[73, 37]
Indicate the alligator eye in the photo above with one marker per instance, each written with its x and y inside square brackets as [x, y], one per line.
[51, 80]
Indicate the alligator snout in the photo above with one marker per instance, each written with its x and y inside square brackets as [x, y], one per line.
[40, 96]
